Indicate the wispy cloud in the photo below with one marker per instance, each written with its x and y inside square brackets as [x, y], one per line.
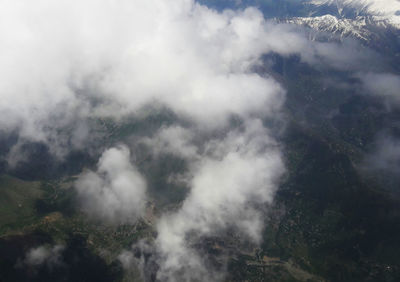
[384, 85]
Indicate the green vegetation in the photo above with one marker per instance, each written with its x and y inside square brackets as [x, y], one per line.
[17, 203]
[49, 210]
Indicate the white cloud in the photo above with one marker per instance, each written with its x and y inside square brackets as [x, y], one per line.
[127, 54]
[44, 254]
[386, 156]
[116, 192]
[174, 140]
[69, 60]
[239, 173]
[385, 85]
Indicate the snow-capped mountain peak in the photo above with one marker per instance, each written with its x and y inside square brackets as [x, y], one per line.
[380, 10]
[343, 27]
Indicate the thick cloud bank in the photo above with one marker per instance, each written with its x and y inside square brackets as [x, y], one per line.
[117, 191]
[68, 60]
